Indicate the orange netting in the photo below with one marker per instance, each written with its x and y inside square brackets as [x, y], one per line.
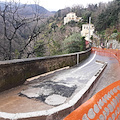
[105, 105]
[108, 52]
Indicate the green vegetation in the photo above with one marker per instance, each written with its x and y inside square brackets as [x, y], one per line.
[118, 37]
[74, 43]
[105, 17]
[72, 23]
[109, 17]
[63, 39]
[39, 49]
[23, 37]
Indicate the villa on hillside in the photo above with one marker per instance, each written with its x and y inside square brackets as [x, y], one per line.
[85, 31]
[71, 16]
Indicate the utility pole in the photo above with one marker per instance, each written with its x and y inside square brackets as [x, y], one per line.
[89, 28]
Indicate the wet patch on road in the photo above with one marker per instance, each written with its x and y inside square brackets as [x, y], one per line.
[43, 92]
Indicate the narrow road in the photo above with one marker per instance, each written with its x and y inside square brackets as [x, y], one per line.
[74, 78]
[110, 74]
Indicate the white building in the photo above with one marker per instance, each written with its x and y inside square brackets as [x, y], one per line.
[86, 31]
[71, 16]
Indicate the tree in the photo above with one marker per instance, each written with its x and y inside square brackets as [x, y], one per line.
[74, 43]
[72, 23]
[39, 48]
[78, 9]
[17, 31]
[109, 17]
[118, 37]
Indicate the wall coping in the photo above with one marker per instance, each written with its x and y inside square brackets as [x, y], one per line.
[39, 58]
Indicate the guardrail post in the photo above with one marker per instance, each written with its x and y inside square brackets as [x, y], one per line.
[77, 58]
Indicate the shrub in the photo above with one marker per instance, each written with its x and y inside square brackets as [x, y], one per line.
[74, 43]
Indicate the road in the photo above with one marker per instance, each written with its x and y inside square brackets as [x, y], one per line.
[63, 84]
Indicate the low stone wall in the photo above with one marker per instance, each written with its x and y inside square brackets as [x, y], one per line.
[15, 72]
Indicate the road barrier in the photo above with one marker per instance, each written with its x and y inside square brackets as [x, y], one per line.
[105, 105]
[108, 52]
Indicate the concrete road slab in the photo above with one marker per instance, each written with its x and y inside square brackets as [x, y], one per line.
[55, 100]
[43, 90]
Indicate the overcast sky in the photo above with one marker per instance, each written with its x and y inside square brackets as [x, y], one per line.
[54, 5]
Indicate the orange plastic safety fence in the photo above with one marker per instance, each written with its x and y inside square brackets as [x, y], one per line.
[105, 105]
[108, 52]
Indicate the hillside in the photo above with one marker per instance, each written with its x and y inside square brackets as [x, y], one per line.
[29, 9]
[33, 8]
[105, 17]
[20, 26]
[32, 31]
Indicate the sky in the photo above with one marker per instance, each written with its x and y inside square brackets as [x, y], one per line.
[54, 5]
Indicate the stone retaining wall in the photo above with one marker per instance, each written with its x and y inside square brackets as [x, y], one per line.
[15, 72]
